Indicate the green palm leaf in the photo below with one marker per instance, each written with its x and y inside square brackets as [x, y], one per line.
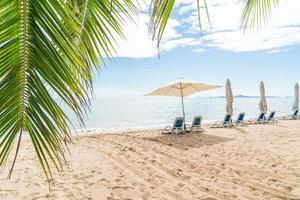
[49, 51]
[160, 13]
[257, 12]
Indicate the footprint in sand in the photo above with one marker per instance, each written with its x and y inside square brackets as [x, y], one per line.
[104, 180]
[117, 180]
[215, 171]
[75, 176]
[193, 166]
[273, 180]
[91, 184]
[185, 177]
[180, 185]
[32, 184]
[121, 187]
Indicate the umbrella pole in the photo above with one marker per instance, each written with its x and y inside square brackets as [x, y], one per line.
[182, 105]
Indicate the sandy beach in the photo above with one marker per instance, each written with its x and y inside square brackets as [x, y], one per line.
[252, 162]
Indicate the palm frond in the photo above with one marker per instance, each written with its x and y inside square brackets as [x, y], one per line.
[160, 13]
[257, 12]
[48, 53]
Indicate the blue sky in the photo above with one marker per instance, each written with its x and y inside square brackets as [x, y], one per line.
[270, 54]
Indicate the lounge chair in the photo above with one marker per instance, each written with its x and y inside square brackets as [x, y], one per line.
[178, 127]
[271, 117]
[241, 119]
[227, 122]
[260, 120]
[196, 124]
[295, 114]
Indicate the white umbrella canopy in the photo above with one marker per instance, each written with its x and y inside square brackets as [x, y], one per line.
[296, 101]
[229, 98]
[263, 107]
[182, 88]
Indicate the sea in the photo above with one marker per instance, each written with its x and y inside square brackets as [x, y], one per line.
[119, 114]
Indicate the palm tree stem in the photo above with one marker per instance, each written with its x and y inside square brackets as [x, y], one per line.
[24, 63]
[23, 81]
[84, 16]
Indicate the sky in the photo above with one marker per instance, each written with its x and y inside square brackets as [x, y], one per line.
[269, 54]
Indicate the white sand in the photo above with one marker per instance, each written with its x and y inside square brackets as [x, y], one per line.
[253, 162]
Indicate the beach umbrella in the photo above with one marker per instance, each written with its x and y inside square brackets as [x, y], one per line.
[263, 107]
[296, 101]
[229, 98]
[182, 88]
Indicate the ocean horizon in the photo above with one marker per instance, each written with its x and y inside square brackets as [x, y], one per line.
[133, 113]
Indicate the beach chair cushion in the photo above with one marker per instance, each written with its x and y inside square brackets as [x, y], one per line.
[178, 123]
[294, 116]
[261, 117]
[197, 121]
[271, 116]
[240, 118]
[227, 119]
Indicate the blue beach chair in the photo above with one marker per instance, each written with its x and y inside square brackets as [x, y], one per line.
[241, 119]
[261, 118]
[271, 117]
[196, 124]
[178, 127]
[227, 122]
[294, 115]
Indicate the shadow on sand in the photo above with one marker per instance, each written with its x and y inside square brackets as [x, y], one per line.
[189, 140]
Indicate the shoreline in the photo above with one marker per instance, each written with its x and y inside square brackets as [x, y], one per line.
[205, 124]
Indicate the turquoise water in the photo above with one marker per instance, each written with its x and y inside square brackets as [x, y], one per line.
[156, 112]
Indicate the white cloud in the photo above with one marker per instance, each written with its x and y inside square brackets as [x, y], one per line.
[168, 45]
[138, 43]
[282, 30]
[278, 50]
[265, 40]
[199, 50]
